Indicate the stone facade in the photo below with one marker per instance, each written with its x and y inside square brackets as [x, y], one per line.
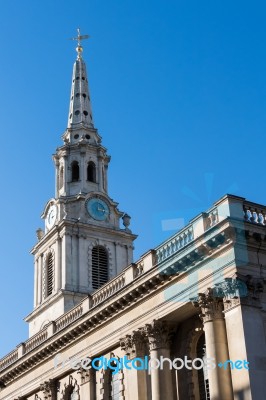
[210, 290]
[200, 294]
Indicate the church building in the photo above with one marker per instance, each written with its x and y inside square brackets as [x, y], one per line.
[187, 321]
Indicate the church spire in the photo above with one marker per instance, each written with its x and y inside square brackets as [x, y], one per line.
[80, 113]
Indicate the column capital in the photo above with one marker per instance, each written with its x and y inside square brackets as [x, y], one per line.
[210, 305]
[248, 293]
[49, 389]
[159, 334]
[86, 375]
[134, 345]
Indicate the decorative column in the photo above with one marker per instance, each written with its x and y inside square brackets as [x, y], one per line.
[39, 279]
[99, 170]
[159, 338]
[106, 176]
[49, 389]
[82, 169]
[87, 383]
[41, 283]
[66, 175]
[216, 344]
[36, 282]
[56, 161]
[58, 263]
[135, 346]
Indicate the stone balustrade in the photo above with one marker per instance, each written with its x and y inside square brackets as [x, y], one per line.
[108, 289]
[174, 244]
[69, 317]
[254, 213]
[35, 340]
[9, 359]
[211, 218]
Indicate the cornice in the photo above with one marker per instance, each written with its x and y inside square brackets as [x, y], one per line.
[60, 229]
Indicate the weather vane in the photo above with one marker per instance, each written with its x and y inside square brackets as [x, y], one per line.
[79, 38]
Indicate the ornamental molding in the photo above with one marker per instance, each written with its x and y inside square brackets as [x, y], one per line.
[254, 288]
[159, 335]
[134, 345]
[49, 389]
[86, 375]
[211, 307]
[228, 294]
[70, 388]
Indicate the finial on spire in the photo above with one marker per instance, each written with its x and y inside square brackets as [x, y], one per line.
[79, 38]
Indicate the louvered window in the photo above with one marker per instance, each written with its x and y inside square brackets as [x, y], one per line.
[50, 274]
[99, 267]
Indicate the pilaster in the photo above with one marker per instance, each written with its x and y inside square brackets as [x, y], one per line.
[246, 336]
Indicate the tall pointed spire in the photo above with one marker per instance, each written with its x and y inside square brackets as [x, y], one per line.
[80, 107]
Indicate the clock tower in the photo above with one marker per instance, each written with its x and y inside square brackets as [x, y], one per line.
[86, 240]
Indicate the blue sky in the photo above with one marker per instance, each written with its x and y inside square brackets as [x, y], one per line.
[178, 93]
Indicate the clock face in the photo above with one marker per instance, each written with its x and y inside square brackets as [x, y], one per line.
[51, 216]
[98, 209]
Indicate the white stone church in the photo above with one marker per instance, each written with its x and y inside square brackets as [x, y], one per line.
[188, 318]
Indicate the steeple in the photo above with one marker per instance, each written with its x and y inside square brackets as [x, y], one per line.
[86, 240]
[80, 113]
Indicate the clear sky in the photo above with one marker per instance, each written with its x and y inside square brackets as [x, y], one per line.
[178, 93]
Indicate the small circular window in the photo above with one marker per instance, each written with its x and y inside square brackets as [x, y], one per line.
[76, 136]
[88, 137]
[85, 113]
[77, 112]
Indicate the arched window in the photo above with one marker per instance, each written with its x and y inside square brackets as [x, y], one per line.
[75, 171]
[61, 177]
[99, 266]
[91, 172]
[49, 275]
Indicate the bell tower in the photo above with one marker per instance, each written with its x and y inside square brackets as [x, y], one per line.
[86, 240]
